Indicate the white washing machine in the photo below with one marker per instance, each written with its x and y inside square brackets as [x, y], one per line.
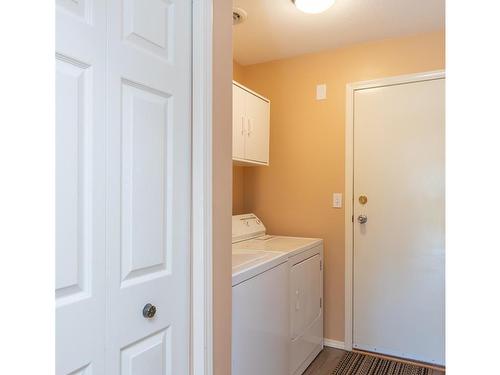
[260, 313]
[304, 285]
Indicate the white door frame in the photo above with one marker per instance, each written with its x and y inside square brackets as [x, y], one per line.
[201, 224]
[349, 149]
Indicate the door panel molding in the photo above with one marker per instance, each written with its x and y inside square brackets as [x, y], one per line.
[351, 88]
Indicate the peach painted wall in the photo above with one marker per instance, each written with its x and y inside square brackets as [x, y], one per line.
[222, 165]
[238, 190]
[237, 71]
[293, 195]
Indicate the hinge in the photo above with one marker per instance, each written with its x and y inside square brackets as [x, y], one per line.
[352, 218]
[320, 265]
[320, 303]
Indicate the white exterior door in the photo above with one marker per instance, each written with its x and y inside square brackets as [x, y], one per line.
[399, 253]
[148, 186]
[80, 187]
[123, 186]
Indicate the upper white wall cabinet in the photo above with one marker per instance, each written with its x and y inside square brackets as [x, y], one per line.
[251, 113]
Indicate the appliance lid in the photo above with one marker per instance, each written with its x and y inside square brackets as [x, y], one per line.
[247, 226]
[245, 258]
[247, 264]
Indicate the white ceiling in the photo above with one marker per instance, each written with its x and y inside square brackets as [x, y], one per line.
[275, 29]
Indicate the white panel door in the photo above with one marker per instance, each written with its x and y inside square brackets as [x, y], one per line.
[80, 186]
[399, 253]
[148, 186]
[257, 139]
[239, 122]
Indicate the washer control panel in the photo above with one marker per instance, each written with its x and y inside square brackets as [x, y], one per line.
[247, 226]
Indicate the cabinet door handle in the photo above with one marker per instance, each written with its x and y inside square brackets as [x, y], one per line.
[242, 125]
[249, 127]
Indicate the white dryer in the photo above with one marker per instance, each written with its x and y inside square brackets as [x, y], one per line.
[304, 257]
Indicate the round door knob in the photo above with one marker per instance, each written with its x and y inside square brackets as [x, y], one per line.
[362, 219]
[363, 199]
[149, 311]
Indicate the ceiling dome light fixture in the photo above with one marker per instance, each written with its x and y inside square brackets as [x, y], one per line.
[313, 6]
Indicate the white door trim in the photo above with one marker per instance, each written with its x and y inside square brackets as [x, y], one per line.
[349, 129]
[201, 227]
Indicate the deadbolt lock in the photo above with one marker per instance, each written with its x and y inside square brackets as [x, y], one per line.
[363, 199]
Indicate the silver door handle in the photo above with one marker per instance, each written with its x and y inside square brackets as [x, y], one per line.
[362, 219]
[149, 311]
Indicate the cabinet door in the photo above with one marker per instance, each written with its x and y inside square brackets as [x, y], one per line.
[257, 135]
[305, 279]
[239, 122]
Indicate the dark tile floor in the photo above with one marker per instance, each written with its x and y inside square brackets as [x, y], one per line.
[327, 360]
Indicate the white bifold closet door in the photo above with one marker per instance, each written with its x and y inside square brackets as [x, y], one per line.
[148, 186]
[123, 186]
[80, 187]
[398, 300]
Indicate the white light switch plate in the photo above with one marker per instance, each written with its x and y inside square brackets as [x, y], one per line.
[321, 92]
[337, 200]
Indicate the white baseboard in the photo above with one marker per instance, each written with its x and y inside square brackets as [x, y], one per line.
[334, 344]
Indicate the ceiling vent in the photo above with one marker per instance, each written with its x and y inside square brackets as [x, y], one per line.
[239, 15]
